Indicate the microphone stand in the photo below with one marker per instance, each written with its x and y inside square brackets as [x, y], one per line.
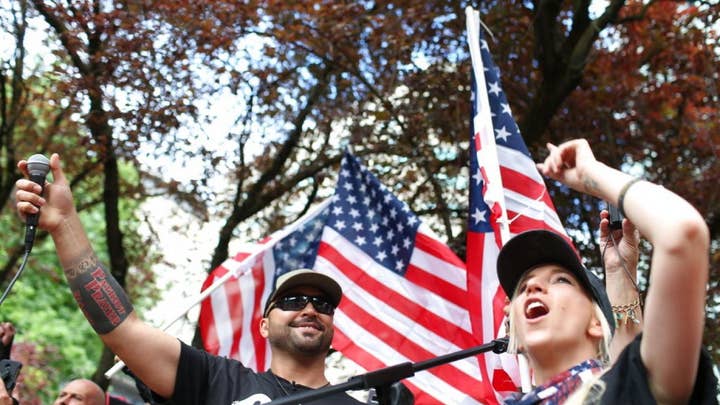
[382, 379]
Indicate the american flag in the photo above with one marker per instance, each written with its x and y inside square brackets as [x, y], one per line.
[406, 296]
[405, 292]
[507, 197]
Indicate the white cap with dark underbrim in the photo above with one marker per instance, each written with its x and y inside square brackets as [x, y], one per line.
[302, 278]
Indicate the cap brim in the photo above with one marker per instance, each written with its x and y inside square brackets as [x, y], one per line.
[306, 278]
[533, 248]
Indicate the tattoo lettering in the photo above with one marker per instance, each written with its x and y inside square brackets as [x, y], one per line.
[99, 296]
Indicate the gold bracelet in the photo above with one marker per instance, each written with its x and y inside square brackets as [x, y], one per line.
[627, 312]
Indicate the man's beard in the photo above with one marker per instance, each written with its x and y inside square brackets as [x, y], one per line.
[292, 341]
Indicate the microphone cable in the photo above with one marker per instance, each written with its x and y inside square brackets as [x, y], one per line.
[29, 241]
[17, 275]
[38, 167]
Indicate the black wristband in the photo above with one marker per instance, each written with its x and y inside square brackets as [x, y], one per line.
[621, 198]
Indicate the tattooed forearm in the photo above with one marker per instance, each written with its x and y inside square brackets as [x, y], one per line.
[84, 263]
[98, 294]
[591, 186]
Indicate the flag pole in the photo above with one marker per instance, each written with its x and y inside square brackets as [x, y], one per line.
[487, 157]
[238, 269]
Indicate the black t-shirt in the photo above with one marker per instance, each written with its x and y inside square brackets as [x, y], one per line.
[627, 380]
[206, 379]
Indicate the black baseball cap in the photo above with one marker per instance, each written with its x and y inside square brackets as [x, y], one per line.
[533, 248]
[305, 277]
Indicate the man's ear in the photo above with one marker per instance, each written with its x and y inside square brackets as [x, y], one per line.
[264, 327]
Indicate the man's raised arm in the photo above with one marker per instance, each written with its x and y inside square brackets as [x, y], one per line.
[150, 353]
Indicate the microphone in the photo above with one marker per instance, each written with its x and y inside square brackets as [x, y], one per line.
[38, 167]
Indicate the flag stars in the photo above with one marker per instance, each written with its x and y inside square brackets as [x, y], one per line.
[494, 89]
[478, 216]
[477, 177]
[506, 108]
[502, 133]
[373, 219]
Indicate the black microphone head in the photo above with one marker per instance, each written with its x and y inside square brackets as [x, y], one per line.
[38, 165]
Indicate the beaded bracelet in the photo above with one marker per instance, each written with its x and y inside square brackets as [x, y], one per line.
[624, 190]
[627, 312]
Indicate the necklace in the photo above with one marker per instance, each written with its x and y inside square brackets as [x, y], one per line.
[280, 384]
[282, 387]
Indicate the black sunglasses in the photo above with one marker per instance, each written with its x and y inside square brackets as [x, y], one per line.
[297, 302]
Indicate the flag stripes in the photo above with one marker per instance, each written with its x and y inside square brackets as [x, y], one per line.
[507, 197]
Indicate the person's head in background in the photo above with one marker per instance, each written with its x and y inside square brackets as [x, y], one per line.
[81, 392]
